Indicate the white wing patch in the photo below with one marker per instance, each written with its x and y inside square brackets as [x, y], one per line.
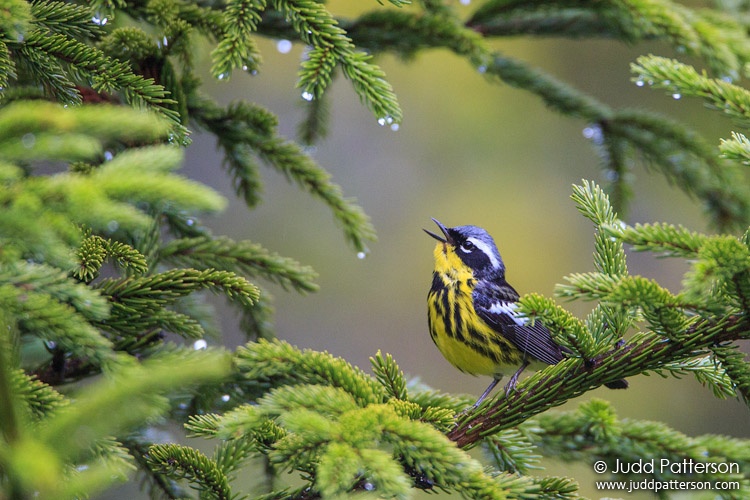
[509, 309]
[487, 250]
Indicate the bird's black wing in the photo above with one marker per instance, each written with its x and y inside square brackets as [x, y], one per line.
[495, 303]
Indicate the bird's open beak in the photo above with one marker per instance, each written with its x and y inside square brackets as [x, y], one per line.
[444, 230]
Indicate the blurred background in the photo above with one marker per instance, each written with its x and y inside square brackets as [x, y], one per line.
[468, 152]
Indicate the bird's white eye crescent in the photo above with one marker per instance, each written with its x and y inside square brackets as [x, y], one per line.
[467, 246]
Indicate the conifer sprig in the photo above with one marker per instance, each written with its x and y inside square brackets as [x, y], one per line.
[66, 19]
[236, 48]
[139, 303]
[594, 432]
[248, 258]
[182, 462]
[39, 398]
[708, 371]
[95, 249]
[316, 27]
[717, 38]
[277, 363]
[736, 367]
[570, 378]
[342, 442]
[513, 450]
[389, 375]
[682, 79]
[106, 75]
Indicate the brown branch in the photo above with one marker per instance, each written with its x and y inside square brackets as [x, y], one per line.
[541, 392]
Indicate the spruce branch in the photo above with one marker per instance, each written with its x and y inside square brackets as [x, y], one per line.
[278, 363]
[43, 316]
[682, 155]
[428, 398]
[236, 48]
[244, 257]
[106, 463]
[736, 148]
[297, 166]
[319, 425]
[107, 75]
[16, 19]
[619, 136]
[406, 32]
[321, 399]
[7, 67]
[40, 278]
[203, 425]
[157, 485]
[139, 304]
[10, 406]
[314, 128]
[568, 330]
[707, 370]
[682, 79]
[736, 367]
[175, 16]
[231, 455]
[182, 462]
[102, 200]
[512, 450]
[425, 451]
[40, 398]
[66, 19]
[570, 378]
[666, 240]
[686, 159]
[103, 122]
[257, 322]
[504, 18]
[388, 374]
[717, 38]
[95, 249]
[79, 432]
[555, 94]
[68, 431]
[316, 27]
[157, 162]
[594, 432]
[734, 450]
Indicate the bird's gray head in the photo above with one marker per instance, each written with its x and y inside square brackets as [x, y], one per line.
[474, 246]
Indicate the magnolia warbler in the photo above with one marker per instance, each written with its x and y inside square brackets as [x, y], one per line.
[472, 312]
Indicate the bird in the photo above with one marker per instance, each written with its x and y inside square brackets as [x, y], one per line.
[472, 312]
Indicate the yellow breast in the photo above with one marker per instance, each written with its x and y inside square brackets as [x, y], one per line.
[465, 340]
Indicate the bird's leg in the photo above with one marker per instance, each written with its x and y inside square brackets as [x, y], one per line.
[486, 392]
[508, 387]
[514, 379]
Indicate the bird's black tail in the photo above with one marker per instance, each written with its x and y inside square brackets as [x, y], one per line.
[617, 384]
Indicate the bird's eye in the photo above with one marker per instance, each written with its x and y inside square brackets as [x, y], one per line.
[467, 246]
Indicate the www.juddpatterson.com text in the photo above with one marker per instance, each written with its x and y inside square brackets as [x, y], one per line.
[666, 466]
